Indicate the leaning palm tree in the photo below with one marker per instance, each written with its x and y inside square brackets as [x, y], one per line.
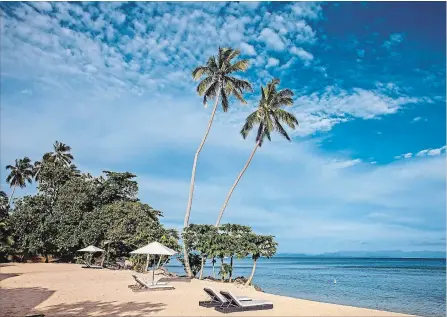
[21, 172]
[269, 116]
[61, 154]
[219, 84]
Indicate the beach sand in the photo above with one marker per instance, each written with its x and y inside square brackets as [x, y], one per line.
[69, 290]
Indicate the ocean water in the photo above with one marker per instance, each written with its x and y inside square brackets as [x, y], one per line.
[413, 286]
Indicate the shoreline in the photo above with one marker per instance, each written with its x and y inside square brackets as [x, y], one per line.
[68, 290]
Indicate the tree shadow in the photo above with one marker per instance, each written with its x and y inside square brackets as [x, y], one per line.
[4, 276]
[21, 301]
[97, 308]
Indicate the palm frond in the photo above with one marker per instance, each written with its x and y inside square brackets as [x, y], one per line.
[250, 121]
[204, 85]
[211, 92]
[212, 64]
[232, 53]
[280, 129]
[200, 71]
[240, 84]
[286, 117]
[239, 66]
[225, 103]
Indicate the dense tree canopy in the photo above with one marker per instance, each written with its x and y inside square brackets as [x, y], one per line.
[72, 210]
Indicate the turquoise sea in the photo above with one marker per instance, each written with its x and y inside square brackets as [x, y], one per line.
[413, 286]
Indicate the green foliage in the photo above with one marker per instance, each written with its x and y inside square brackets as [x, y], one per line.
[225, 271]
[52, 177]
[21, 172]
[61, 154]
[33, 227]
[217, 79]
[200, 238]
[261, 246]
[269, 116]
[117, 187]
[6, 239]
[72, 210]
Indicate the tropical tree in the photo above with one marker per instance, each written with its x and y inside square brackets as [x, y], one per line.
[200, 238]
[33, 226]
[6, 239]
[61, 154]
[21, 172]
[259, 246]
[269, 117]
[219, 84]
[236, 242]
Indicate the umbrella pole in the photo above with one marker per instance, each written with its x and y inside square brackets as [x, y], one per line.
[153, 274]
[147, 263]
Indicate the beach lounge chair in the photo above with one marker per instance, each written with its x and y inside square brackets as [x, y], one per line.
[235, 305]
[217, 299]
[174, 279]
[142, 285]
[89, 266]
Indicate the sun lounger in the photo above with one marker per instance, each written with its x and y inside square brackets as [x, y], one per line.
[217, 299]
[89, 266]
[235, 305]
[144, 286]
[174, 279]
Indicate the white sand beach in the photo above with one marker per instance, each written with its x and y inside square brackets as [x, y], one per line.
[69, 290]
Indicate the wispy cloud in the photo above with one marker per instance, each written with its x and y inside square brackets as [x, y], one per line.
[113, 81]
[422, 153]
[393, 40]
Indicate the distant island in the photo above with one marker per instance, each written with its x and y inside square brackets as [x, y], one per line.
[373, 254]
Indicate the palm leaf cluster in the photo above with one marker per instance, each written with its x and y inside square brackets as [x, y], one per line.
[21, 173]
[269, 116]
[217, 80]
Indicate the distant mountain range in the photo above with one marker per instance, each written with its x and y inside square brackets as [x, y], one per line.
[374, 254]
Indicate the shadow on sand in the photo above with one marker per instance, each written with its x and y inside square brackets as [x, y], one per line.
[97, 308]
[4, 276]
[21, 301]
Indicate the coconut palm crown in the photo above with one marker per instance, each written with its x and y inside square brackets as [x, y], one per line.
[21, 172]
[269, 115]
[218, 82]
[61, 154]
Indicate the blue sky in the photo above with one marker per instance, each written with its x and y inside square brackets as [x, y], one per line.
[365, 170]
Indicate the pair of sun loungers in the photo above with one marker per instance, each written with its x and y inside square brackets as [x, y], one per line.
[143, 286]
[227, 302]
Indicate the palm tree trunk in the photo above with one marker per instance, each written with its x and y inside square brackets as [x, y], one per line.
[191, 187]
[221, 268]
[201, 268]
[252, 273]
[12, 194]
[231, 272]
[237, 181]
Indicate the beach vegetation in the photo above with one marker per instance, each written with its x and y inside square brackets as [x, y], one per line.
[72, 209]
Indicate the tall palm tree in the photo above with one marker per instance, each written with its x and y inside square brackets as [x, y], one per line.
[21, 172]
[61, 154]
[219, 84]
[269, 116]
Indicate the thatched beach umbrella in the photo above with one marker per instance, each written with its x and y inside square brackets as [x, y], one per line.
[154, 248]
